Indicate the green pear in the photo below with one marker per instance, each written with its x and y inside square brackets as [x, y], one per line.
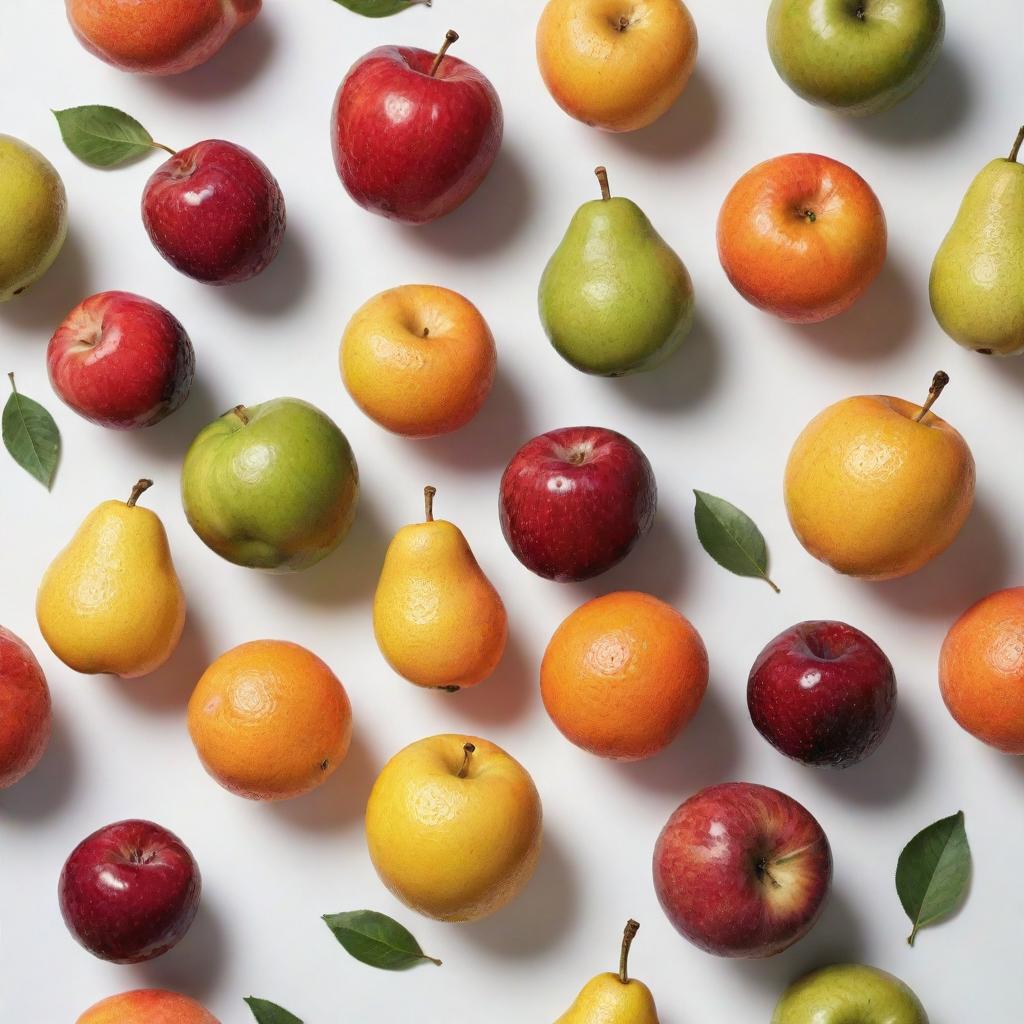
[849, 994]
[977, 280]
[615, 298]
[271, 486]
[33, 216]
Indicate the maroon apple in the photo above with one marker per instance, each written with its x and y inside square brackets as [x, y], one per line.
[129, 891]
[121, 361]
[215, 212]
[822, 693]
[742, 870]
[414, 133]
[574, 501]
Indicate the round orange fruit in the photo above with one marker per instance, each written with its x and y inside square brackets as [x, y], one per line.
[623, 675]
[981, 670]
[147, 1006]
[270, 720]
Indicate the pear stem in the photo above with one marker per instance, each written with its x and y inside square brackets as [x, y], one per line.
[450, 37]
[939, 381]
[137, 491]
[1016, 146]
[240, 412]
[467, 750]
[428, 502]
[602, 178]
[628, 935]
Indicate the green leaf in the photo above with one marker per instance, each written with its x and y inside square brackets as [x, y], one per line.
[267, 1012]
[377, 940]
[932, 872]
[103, 136]
[380, 8]
[731, 537]
[31, 436]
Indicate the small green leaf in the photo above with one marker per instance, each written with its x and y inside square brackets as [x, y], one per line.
[932, 872]
[31, 436]
[731, 537]
[380, 8]
[377, 940]
[267, 1012]
[103, 136]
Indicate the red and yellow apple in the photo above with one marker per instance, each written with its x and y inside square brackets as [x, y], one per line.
[25, 710]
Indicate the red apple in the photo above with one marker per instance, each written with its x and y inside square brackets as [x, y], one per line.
[215, 212]
[822, 693]
[414, 133]
[121, 361]
[25, 710]
[742, 870]
[574, 501]
[129, 891]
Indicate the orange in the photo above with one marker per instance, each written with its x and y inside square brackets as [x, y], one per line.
[981, 670]
[147, 1006]
[270, 720]
[623, 675]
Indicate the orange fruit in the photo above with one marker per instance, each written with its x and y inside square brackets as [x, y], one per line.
[147, 1006]
[270, 720]
[25, 713]
[981, 670]
[623, 675]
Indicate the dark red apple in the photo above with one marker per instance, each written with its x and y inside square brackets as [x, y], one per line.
[742, 870]
[129, 891]
[414, 133]
[121, 361]
[574, 501]
[215, 212]
[822, 693]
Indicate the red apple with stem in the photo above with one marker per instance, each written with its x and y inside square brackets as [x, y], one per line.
[822, 693]
[121, 361]
[574, 501]
[129, 891]
[742, 870]
[414, 133]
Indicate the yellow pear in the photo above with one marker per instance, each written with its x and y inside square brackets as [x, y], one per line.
[614, 998]
[877, 486]
[111, 600]
[438, 620]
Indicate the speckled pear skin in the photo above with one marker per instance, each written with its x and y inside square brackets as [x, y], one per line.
[849, 994]
[606, 1000]
[977, 280]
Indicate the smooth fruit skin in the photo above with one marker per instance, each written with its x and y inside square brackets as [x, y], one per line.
[411, 146]
[419, 360]
[573, 502]
[271, 486]
[129, 892]
[451, 848]
[742, 870]
[33, 216]
[616, 65]
[856, 57]
[25, 710]
[121, 361]
[215, 212]
[158, 37]
[606, 1000]
[873, 494]
[270, 720]
[981, 670]
[147, 1006]
[623, 675]
[801, 237]
[849, 994]
[822, 693]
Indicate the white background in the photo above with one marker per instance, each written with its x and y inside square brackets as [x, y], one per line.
[721, 416]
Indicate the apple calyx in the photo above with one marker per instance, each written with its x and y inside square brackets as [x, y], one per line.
[450, 37]
[467, 750]
[628, 934]
[138, 490]
[428, 502]
[939, 381]
[1015, 149]
[602, 179]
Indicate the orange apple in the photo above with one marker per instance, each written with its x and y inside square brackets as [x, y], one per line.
[147, 1006]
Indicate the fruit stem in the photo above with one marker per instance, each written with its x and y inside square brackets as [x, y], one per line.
[241, 413]
[138, 490]
[628, 935]
[450, 37]
[467, 750]
[602, 177]
[939, 381]
[1016, 145]
[428, 502]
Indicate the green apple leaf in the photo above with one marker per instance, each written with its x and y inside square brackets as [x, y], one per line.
[932, 872]
[731, 537]
[104, 136]
[381, 8]
[377, 940]
[31, 436]
[267, 1012]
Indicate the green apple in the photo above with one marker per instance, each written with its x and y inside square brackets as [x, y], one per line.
[849, 994]
[33, 216]
[855, 56]
[271, 486]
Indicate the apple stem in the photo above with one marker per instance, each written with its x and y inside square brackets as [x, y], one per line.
[138, 490]
[1016, 146]
[467, 750]
[240, 412]
[450, 37]
[628, 935]
[939, 381]
[428, 502]
[602, 178]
